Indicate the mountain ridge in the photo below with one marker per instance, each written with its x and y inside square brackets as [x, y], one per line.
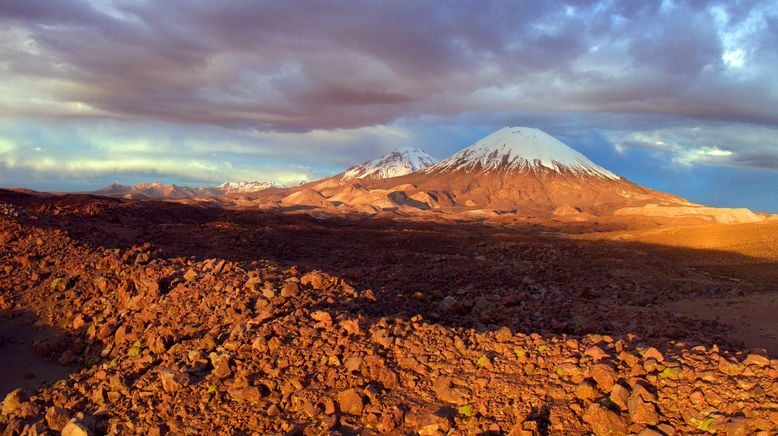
[402, 161]
[158, 190]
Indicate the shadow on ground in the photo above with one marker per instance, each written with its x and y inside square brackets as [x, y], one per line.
[531, 278]
[24, 344]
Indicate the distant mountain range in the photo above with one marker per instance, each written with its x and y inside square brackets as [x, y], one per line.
[519, 170]
[516, 170]
[158, 190]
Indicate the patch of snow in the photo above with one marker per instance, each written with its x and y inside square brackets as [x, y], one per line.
[522, 148]
[244, 186]
[404, 160]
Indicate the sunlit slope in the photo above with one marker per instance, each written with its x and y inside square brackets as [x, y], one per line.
[757, 240]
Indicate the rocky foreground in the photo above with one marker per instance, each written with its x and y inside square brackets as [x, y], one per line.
[199, 321]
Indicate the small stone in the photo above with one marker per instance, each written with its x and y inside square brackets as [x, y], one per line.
[642, 412]
[432, 429]
[221, 365]
[503, 334]
[323, 317]
[567, 370]
[620, 396]
[315, 280]
[57, 418]
[604, 375]
[172, 380]
[290, 289]
[730, 368]
[190, 275]
[756, 360]
[595, 353]
[605, 421]
[585, 391]
[697, 398]
[249, 394]
[350, 402]
[450, 304]
[352, 364]
[12, 401]
[653, 353]
[74, 428]
[445, 391]
[736, 427]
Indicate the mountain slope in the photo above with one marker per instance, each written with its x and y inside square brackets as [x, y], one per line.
[526, 170]
[403, 161]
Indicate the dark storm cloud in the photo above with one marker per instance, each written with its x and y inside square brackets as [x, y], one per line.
[300, 65]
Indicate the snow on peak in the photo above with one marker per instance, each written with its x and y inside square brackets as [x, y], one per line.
[522, 148]
[404, 160]
[244, 186]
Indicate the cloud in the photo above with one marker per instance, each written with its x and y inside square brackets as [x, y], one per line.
[737, 145]
[93, 151]
[304, 65]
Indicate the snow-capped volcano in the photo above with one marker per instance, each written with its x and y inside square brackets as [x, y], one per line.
[522, 148]
[404, 160]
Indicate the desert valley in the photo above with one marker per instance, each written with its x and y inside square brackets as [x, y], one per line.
[515, 287]
[404, 217]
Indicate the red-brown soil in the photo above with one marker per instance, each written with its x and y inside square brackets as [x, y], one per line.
[195, 319]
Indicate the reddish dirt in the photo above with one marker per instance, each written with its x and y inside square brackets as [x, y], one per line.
[191, 319]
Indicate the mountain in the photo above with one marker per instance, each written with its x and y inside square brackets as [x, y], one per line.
[517, 149]
[520, 170]
[403, 161]
[159, 190]
[244, 187]
[530, 171]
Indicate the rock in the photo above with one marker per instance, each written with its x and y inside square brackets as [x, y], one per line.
[642, 412]
[697, 398]
[445, 391]
[351, 326]
[605, 421]
[653, 353]
[585, 391]
[190, 275]
[503, 334]
[221, 365]
[595, 353]
[322, 317]
[12, 401]
[736, 427]
[315, 280]
[730, 368]
[352, 364]
[620, 395]
[450, 305]
[756, 360]
[172, 380]
[250, 394]
[350, 402]
[290, 289]
[567, 370]
[57, 418]
[604, 375]
[75, 428]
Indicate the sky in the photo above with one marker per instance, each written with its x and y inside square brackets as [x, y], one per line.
[676, 95]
